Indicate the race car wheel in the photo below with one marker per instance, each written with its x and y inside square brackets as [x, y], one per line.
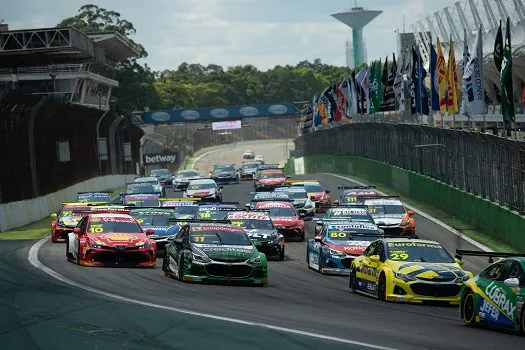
[281, 254]
[468, 309]
[301, 236]
[381, 288]
[181, 268]
[522, 322]
[68, 255]
[352, 282]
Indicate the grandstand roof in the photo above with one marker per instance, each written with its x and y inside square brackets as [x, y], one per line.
[116, 46]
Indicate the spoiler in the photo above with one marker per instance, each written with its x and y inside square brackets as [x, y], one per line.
[82, 203]
[346, 205]
[256, 200]
[94, 192]
[102, 211]
[132, 207]
[490, 255]
[176, 221]
[187, 199]
[218, 203]
[355, 187]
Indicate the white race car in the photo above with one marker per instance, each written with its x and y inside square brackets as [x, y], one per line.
[301, 201]
[205, 189]
[183, 178]
[154, 182]
[259, 158]
[248, 154]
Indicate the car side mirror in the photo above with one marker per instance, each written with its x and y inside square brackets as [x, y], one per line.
[459, 261]
[327, 191]
[411, 213]
[288, 177]
[178, 242]
[375, 258]
[312, 198]
[319, 222]
[77, 231]
[512, 282]
[53, 216]
[149, 232]
[247, 205]
[302, 215]
[318, 238]
[221, 187]
[336, 202]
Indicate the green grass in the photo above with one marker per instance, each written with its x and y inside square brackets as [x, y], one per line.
[453, 221]
[40, 229]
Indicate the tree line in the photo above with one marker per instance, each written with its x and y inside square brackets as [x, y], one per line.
[194, 85]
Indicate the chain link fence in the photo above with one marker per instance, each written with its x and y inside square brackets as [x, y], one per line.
[486, 165]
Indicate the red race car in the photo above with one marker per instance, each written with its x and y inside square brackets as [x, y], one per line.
[285, 218]
[316, 192]
[65, 221]
[268, 179]
[110, 239]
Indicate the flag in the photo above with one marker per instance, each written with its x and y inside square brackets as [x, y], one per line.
[442, 79]
[376, 88]
[389, 96]
[434, 79]
[347, 87]
[341, 102]
[452, 77]
[362, 79]
[507, 96]
[332, 97]
[474, 73]
[399, 84]
[323, 110]
[498, 48]
[418, 90]
[316, 117]
[466, 83]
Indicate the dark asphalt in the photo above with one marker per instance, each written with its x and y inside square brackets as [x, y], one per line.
[296, 298]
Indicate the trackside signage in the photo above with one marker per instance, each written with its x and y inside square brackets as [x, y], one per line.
[161, 158]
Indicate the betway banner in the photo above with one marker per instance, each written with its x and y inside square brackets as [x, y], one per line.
[229, 125]
[160, 158]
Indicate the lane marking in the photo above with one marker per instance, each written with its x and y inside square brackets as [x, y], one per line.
[425, 215]
[33, 259]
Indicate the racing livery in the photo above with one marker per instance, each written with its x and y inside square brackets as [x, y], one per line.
[268, 179]
[338, 244]
[183, 178]
[408, 270]
[267, 197]
[496, 296]
[184, 208]
[259, 227]
[391, 216]
[217, 211]
[205, 189]
[247, 170]
[316, 192]
[154, 182]
[158, 220]
[164, 176]
[342, 213]
[285, 218]
[301, 201]
[64, 223]
[354, 195]
[225, 174]
[141, 200]
[110, 239]
[214, 252]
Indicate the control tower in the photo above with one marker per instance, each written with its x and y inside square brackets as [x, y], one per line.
[357, 18]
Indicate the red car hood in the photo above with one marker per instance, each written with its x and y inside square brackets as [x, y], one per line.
[272, 181]
[118, 239]
[285, 221]
[349, 247]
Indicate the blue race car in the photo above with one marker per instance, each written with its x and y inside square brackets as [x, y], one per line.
[334, 249]
[159, 220]
[182, 207]
[360, 214]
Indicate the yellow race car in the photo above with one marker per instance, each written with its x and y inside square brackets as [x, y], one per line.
[408, 270]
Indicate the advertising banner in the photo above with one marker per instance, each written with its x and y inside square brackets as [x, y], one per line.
[229, 125]
[219, 113]
[160, 158]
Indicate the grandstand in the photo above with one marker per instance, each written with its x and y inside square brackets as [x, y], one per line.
[56, 126]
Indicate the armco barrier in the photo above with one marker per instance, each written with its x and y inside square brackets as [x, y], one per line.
[16, 214]
[503, 224]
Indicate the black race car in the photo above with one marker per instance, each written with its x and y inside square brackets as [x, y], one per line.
[225, 174]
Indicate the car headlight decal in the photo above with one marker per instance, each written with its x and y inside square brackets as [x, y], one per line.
[256, 260]
[200, 258]
[403, 277]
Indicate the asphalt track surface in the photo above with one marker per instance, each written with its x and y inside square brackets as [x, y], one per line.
[39, 312]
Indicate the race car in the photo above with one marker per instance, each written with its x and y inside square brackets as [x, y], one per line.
[318, 194]
[158, 220]
[301, 201]
[262, 167]
[248, 154]
[216, 211]
[184, 208]
[110, 239]
[141, 200]
[66, 220]
[247, 170]
[164, 176]
[268, 179]
[408, 270]
[225, 174]
[355, 195]
[343, 213]
[338, 244]
[259, 158]
[391, 216]
[267, 197]
[259, 227]
[140, 188]
[90, 197]
[205, 189]
[181, 180]
[496, 296]
[284, 217]
[214, 252]
[159, 188]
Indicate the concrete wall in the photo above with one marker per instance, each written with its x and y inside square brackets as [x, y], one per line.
[21, 213]
[503, 224]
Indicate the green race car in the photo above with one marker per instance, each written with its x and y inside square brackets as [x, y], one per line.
[214, 252]
[495, 297]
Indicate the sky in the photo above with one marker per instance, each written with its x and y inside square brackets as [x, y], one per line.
[263, 33]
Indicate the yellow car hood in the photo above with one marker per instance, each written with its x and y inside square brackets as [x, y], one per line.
[437, 272]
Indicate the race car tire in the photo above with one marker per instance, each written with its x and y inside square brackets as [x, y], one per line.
[301, 237]
[308, 257]
[181, 268]
[522, 322]
[381, 288]
[468, 309]
[67, 251]
[320, 264]
[281, 254]
[54, 239]
[352, 282]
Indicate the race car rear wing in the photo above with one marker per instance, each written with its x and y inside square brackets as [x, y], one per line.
[132, 207]
[187, 199]
[94, 192]
[225, 209]
[256, 200]
[176, 221]
[355, 187]
[491, 255]
[218, 203]
[342, 206]
[89, 204]
[102, 211]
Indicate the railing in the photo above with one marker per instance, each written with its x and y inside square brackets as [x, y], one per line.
[47, 69]
[486, 165]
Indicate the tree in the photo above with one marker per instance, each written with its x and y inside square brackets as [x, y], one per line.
[136, 89]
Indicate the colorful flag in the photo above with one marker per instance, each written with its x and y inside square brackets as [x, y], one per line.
[399, 84]
[376, 88]
[418, 90]
[498, 48]
[362, 79]
[474, 73]
[389, 96]
[341, 102]
[434, 79]
[507, 95]
[347, 87]
[323, 109]
[466, 83]
[316, 117]
[442, 79]
[452, 77]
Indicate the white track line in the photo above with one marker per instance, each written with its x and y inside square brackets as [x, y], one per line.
[33, 259]
[425, 215]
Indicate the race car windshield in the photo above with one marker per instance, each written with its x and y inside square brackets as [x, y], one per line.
[142, 188]
[152, 182]
[340, 214]
[313, 187]
[253, 224]
[284, 212]
[224, 168]
[271, 176]
[212, 215]
[195, 187]
[94, 197]
[114, 227]
[160, 172]
[186, 209]
[297, 195]
[69, 211]
[187, 174]
[219, 237]
[250, 166]
[351, 199]
[385, 209]
[153, 220]
[352, 235]
[143, 203]
[418, 252]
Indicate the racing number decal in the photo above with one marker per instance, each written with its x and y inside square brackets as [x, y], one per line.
[205, 215]
[338, 234]
[140, 221]
[351, 199]
[198, 239]
[398, 256]
[371, 210]
[96, 228]
[236, 223]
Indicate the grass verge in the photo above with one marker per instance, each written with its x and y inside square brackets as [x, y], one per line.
[453, 221]
[40, 229]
